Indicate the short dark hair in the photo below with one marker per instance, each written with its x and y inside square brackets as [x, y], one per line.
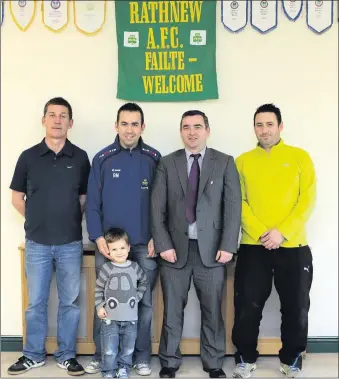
[131, 107]
[115, 234]
[59, 101]
[195, 113]
[268, 108]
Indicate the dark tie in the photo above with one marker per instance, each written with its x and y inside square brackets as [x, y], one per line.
[192, 190]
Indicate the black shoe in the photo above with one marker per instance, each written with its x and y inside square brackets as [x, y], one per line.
[22, 365]
[72, 366]
[215, 372]
[167, 372]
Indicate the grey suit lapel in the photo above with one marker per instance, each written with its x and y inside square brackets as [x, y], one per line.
[180, 162]
[206, 169]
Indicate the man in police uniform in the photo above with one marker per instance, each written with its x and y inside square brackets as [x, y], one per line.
[119, 196]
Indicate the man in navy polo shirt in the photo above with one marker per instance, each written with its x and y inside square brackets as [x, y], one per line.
[49, 189]
[119, 190]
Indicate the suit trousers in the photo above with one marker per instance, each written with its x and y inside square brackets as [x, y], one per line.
[209, 286]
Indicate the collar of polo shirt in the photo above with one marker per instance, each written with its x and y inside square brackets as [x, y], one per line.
[66, 150]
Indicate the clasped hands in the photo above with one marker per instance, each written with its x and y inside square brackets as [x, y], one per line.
[272, 239]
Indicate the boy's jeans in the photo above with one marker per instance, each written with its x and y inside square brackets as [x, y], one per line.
[39, 269]
[117, 345]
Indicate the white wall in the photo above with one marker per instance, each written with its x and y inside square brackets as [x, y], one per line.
[291, 66]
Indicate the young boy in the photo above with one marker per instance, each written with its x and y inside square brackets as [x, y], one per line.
[120, 286]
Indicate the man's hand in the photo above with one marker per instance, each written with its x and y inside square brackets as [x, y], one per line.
[150, 247]
[169, 255]
[102, 313]
[102, 247]
[223, 256]
[272, 239]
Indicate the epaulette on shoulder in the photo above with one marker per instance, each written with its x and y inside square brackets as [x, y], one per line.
[147, 150]
[108, 153]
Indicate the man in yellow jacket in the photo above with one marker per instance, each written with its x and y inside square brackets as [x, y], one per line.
[278, 187]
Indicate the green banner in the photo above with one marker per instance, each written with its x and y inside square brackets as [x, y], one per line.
[166, 50]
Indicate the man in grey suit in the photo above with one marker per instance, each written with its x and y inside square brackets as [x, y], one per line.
[195, 226]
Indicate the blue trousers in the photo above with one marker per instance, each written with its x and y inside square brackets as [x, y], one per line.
[117, 345]
[39, 261]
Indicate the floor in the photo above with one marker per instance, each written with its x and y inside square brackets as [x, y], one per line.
[315, 365]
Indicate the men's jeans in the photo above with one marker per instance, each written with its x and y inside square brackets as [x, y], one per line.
[143, 344]
[117, 345]
[39, 260]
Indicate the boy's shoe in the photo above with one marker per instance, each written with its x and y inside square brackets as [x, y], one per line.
[243, 370]
[109, 375]
[93, 367]
[290, 371]
[121, 373]
[72, 366]
[22, 365]
[143, 369]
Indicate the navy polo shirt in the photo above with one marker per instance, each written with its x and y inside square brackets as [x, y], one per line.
[52, 184]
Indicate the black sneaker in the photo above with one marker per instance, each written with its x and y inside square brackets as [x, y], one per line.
[22, 365]
[72, 366]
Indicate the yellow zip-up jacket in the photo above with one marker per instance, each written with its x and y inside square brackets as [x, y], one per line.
[278, 191]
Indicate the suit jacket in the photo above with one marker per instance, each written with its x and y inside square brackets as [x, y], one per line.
[218, 207]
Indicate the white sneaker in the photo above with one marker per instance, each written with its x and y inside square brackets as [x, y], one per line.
[243, 370]
[143, 369]
[121, 373]
[290, 371]
[93, 367]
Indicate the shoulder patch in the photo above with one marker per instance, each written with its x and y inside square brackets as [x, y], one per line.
[107, 153]
[151, 152]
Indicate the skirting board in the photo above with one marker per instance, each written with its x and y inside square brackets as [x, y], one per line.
[314, 344]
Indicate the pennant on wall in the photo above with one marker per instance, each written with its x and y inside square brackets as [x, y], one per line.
[319, 15]
[55, 14]
[292, 8]
[264, 15]
[22, 13]
[166, 52]
[89, 16]
[2, 11]
[234, 14]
